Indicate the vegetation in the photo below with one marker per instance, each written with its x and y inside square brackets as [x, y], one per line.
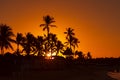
[6, 35]
[40, 45]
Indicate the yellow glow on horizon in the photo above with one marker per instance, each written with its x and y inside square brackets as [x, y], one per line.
[51, 54]
[48, 55]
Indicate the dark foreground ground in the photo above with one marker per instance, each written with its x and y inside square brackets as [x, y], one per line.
[76, 73]
[33, 68]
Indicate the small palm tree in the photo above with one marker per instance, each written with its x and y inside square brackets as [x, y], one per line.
[80, 55]
[28, 43]
[59, 47]
[19, 39]
[6, 35]
[39, 44]
[75, 42]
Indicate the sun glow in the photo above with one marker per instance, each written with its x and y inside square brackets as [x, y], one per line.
[50, 55]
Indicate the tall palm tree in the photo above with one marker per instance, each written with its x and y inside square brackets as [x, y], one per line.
[69, 37]
[19, 39]
[6, 35]
[49, 20]
[48, 23]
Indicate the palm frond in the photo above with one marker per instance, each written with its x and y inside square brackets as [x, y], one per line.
[10, 46]
[44, 28]
[42, 25]
[65, 32]
[53, 25]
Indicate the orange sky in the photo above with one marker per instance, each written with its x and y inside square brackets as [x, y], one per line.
[96, 22]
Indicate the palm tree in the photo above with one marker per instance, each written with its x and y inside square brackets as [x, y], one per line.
[72, 41]
[48, 23]
[69, 36]
[19, 39]
[75, 42]
[6, 35]
[39, 43]
[59, 47]
[27, 43]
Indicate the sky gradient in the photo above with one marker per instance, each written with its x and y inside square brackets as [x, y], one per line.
[96, 22]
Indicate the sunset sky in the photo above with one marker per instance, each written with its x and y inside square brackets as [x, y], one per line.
[96, 22]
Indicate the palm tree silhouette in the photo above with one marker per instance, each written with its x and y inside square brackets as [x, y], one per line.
[19, 39]
[75, 42]
[69, 36]
[28, 43]
[6, 35]
[59, 47]
[72, 41]
[39, 45]
[48, 23]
